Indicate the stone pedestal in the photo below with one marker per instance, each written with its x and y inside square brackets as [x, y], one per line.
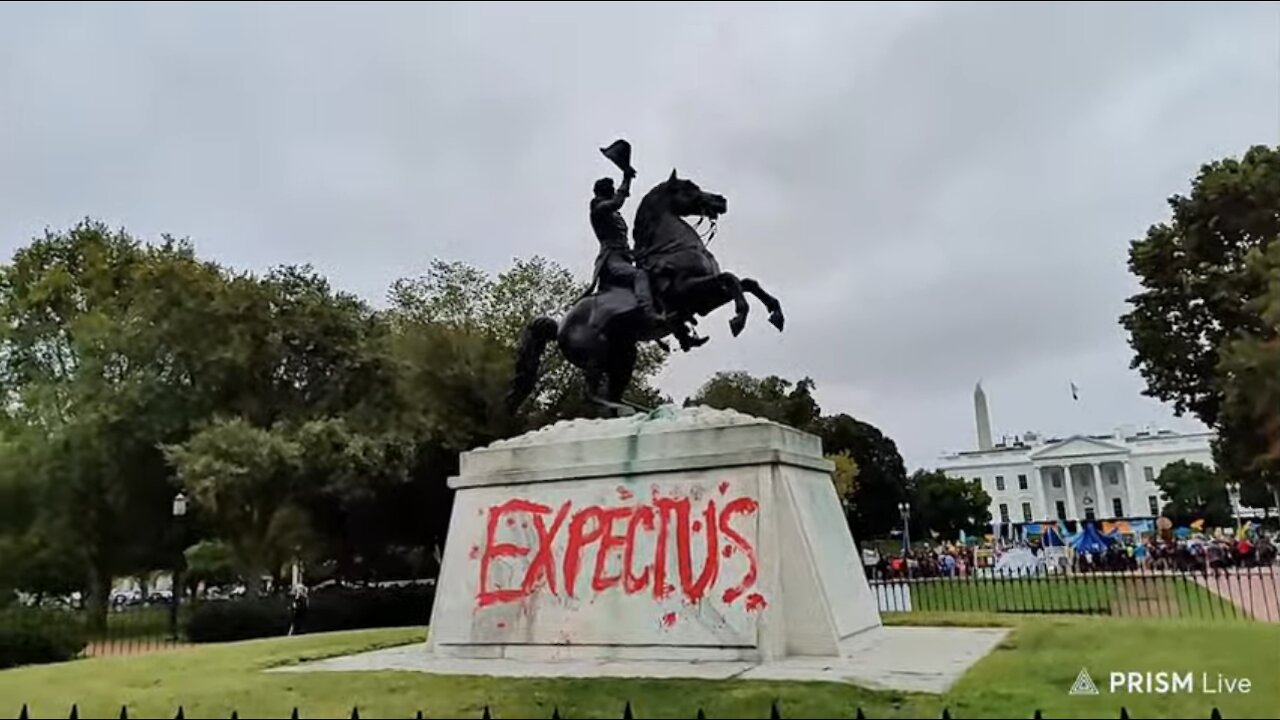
[685, 534]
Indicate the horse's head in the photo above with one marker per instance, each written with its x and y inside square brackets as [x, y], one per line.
[685, 198]
[681, 198]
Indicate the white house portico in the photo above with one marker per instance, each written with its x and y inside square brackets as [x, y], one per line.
[1082, 477]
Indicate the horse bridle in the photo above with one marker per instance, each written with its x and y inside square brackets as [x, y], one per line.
[711, 228]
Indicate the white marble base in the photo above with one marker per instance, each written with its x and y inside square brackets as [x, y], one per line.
[908, 659]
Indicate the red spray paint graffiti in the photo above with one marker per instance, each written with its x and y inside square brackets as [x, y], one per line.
[618, 532]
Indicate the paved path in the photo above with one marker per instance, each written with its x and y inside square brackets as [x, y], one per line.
[1255, 591]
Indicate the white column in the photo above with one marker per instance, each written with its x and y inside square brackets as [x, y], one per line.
[1038, 478]
[1131, 507]
[1072, 513]
[1101, 501]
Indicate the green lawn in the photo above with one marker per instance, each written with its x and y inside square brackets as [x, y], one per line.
[1033, 669]
[1136, 596]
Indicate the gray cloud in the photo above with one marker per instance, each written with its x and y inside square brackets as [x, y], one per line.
[937, 192]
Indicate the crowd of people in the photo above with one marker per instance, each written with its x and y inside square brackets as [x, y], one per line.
[1129, 553]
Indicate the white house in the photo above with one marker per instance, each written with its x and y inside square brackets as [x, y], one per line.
[1081, 477]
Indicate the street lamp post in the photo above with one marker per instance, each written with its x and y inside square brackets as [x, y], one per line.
[1233, 495]
[179, 512]
[904, 509]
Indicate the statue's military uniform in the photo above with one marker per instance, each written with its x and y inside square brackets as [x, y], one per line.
[615, 265]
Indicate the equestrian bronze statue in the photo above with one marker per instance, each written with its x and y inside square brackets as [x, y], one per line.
[655, 288]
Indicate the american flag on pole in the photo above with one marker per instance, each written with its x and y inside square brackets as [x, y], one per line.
[1075, 391]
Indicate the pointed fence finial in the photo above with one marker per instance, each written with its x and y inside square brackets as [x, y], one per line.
[1124, 713]
[23, 715]
[946, 714]
[124, 713]
[701, 715]
[181, 714]
[626, 712]
[486, 715]
[75, 712]
[355, 714]
[773, 711]
[555, 713]
[860, 715]
[294, 715]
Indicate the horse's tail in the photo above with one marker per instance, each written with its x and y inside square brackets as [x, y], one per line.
[533, 341]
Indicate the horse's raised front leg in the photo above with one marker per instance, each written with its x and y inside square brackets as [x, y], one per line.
[733, 287]
[770, 302]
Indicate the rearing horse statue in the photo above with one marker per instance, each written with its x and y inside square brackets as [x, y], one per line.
[600, 333]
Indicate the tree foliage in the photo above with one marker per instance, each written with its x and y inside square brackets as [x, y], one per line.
[1197, 292]
[881, 475]
[1204, 326]
[1194, 492]
[947, 505]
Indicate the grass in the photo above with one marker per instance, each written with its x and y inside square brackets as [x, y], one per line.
[1140, 596]
[1031, 670]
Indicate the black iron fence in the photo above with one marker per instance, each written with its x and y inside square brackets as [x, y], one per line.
[775, 713]
[50, 634]
[1221, 594]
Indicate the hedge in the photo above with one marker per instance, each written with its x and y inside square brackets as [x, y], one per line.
[28, 637]
[350, 608]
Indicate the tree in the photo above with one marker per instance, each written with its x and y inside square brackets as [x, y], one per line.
[246, 480]
[1197, 293]
[1248, 446]
[1194, 492]
[947, 505]
[770, 397]
[456, 297]
[882, 476]
[102, 344]
[844, 477]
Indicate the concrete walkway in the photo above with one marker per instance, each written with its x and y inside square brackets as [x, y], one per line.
[1255, 591]
[913, 659]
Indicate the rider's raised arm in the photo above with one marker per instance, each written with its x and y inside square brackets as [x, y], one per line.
[614, 204]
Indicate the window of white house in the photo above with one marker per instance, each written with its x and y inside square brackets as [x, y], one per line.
[1057, 481]
[1115, 476]
[1026, 512]
[1004, 513]
[1149, 473]
[1153, 503]
[977, 481]
[1022, 482]
[1062, 510]
[1117, 508]
[1000, 482]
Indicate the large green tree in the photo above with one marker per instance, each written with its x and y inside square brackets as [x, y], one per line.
[882, 475]
[881, 479]
[947, 505]
[1249, 444]
[1197, 292]
[1194, 492]
[1202, 333]
[769, 397]
[103, 346]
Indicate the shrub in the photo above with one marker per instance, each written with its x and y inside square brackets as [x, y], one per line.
[29, 637]
[329, 609]
[227, 620]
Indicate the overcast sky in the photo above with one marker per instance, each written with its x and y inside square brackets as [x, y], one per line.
[936, 193]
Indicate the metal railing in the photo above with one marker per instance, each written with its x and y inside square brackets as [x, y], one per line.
[1241, 593]
[775, 713]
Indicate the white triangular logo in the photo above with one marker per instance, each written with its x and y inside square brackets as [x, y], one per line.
[1083, 684]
